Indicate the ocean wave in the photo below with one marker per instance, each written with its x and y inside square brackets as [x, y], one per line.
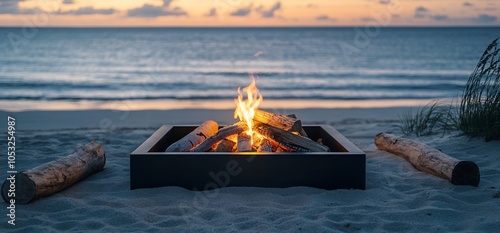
[219, 97]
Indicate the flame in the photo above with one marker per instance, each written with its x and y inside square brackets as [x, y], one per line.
[245, 109]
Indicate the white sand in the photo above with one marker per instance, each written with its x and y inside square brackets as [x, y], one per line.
[397, 198]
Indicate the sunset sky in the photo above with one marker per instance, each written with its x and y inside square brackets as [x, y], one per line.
[153, 13]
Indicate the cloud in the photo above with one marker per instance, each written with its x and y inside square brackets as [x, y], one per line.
[484, 18]
[242, 11]
[89, 11]
[68, 2]
[439, 17]
[9, 7]
[12, 7]
[490, 8]
[211, 13]
[269, 13]
[384, 2]
[468, 4]
[325, 18]
[421, 12]
[151, 11]
[310, 5]
[421, 9]
[166, 3]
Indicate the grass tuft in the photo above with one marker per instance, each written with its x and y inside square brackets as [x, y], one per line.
[479, 111]
[429, 120]
[478, 114]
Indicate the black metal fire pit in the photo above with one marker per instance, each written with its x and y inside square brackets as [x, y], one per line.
[341, 168]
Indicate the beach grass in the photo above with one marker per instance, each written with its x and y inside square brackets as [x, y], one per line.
[478, 114]
[428, 120]
[479, 111]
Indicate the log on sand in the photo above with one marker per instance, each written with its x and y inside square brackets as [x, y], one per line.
[195, 137]
[430, 160]
[57, 175]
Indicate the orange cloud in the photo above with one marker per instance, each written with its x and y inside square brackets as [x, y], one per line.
[249, 13]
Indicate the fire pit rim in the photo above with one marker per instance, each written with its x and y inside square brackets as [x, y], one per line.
[344, 169]
[147, 145]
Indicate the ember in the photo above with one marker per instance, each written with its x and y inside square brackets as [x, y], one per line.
[257, 131]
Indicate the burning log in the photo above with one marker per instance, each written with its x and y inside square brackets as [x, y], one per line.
[302, 132]
[430, 160]
[52, 177]
[225, 145]
[233, 138]
[279, 150]
[289, 141]
[225, 132]
[244, 143]
[278, 121]
[198, 135]
[265, 146]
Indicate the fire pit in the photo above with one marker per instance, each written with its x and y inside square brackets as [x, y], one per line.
[343, 167]
[262, 149]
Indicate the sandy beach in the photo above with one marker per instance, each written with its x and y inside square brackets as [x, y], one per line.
[398, 198]
[80, 79]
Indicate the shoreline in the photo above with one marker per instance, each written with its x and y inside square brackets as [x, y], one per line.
[133, 105]
[110, 119]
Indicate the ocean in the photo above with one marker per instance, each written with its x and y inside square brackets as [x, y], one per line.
[100, 65]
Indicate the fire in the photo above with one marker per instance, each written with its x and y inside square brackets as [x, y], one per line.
[245, 109]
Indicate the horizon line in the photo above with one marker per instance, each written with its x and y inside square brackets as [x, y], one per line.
[298, 26]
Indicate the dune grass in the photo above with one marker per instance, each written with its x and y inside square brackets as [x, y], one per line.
[428, 120]
[478, 114]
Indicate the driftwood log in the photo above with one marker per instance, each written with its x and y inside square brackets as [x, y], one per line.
[225, 132]
[195, 137]
[52, 177]
[279, 121]
[430, 160]
[289, 141]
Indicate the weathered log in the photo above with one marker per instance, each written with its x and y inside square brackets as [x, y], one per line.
[244, 142]
[302, 132]
[265, 146]
[430, 160]
[289, 141]
[225, 145]
[52, 177]
[227, 131]
[278, 121]
[195, 137]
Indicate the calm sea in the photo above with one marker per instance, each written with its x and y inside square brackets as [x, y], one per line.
[115, 64]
